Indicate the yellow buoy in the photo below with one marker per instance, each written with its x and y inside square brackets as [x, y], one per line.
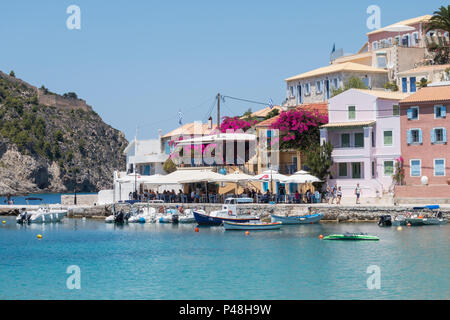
[39, 236]
[3, 221]
[399, 228]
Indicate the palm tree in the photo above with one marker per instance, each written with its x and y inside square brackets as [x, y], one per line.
[440, 20]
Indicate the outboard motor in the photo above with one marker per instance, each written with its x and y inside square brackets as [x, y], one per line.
[175, 218]
[23, 217]
[119, 217]
[385, 221]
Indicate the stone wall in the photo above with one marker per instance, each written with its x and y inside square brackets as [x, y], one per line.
[58, 101]
[332, 213]
[82, 199]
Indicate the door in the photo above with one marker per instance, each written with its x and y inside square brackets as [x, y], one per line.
[404, 85]
[327, 89]
[412, 84]
[356, 170]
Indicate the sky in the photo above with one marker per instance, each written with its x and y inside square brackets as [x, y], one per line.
[139, 63]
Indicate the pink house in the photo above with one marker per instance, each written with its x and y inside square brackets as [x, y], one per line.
[364, 129]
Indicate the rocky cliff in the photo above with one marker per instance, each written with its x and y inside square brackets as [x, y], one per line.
[53, 143]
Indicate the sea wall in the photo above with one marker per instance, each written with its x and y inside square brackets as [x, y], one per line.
[331, 213]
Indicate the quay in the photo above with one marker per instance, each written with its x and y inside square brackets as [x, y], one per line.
[332, 213]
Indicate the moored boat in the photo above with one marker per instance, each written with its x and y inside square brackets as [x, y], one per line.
[307, 219]
[351, 236]
[418, 220]
[228, 212]
[251, 225]
[42, 215]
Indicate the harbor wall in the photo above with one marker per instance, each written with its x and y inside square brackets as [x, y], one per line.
[82, 199]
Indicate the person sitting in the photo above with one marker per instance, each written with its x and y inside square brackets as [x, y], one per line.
[297, 197]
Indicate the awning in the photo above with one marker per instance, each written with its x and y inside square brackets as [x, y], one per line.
[218, 138]
[349, 124]
[185, 176]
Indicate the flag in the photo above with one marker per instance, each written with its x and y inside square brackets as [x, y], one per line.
[180, 118]
[334, 48]
[270, 103]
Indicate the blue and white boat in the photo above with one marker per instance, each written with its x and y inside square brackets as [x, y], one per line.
[228, 212]
[311, 218]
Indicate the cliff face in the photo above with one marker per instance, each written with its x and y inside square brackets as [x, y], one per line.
[51, 143]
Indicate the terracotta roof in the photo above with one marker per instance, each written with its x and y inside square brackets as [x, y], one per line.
[429, 94]
[407, 22]
[384, 94]
[348, 124]
[321, 107]
[338, 67]
[188, 129]
[425, 69]
[263, 112]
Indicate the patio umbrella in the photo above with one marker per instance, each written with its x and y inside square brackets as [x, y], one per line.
[235, 177]
[269, 176]
[398, 28]
[301, 177]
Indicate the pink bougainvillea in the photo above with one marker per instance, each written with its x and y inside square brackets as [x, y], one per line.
[299, 128]
[230, 124]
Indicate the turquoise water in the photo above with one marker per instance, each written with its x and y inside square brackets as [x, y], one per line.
[156, 261]
[48, 198]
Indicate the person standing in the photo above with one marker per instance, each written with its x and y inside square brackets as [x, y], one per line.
[333, 193]
[357, 193]
[339, 195]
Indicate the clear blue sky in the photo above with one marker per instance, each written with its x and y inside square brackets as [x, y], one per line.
[139, 62]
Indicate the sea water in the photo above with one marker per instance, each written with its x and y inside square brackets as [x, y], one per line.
[163, 261]
[47, 198]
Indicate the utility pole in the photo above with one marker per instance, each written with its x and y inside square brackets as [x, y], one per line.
[218, 111]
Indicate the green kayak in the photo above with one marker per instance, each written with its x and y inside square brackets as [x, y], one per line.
[351, 236]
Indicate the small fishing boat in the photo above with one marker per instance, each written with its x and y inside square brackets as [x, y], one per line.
[170, 216]
[229, 212]
[436, 218]
[307, 219]
[351, 236]
[251, 225]
[142, 215]
[42, 215]
[119, 216]
[186, 217]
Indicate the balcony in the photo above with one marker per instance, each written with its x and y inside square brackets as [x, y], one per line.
[288, 168]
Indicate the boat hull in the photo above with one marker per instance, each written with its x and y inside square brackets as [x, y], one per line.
[313, 218]
[251, 226]
[207, 220]
[351, 237]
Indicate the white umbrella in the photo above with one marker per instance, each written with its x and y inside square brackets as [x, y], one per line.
[235, 177]
[269, 175]
[398, 28]
[202, 176]
[301, 177]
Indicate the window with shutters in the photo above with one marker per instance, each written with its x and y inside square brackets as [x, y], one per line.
[415, 165]
[438, 135]
[413, 113]
[439, 112]
[439, 167]
[414, 136]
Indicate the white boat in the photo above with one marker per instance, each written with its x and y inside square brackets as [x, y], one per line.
[247, 226]
[42, 215]
[170, 216]
[143, 215]
[187, 217]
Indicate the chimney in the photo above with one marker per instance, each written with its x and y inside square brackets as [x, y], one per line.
[210, 123]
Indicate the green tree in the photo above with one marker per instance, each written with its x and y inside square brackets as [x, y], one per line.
[352, 83]
[391, 86]
[318, 159]
[440, 20]
[272, 113]
[169, 166]
[12, 74]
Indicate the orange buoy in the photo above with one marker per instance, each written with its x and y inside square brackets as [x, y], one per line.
[247, 233]
[409, 224]
[420, 217]
[196, 230]
[321, 236]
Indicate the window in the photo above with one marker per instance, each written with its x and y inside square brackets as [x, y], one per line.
[359, 140]
[265, 186]
[356, 170]
[388, 138]
[404, 85]
[415, 38]
[373, 139]
[342, 169]
[291, 91]
[381, 61]
[336, 83]
[375, 45]
[166, 147]
[397, 40]
[307, 89]
[318, 86]
[438, 135]
[415, 168]
[412, 84]
[413, 113]
[405, 40]
[373, 169]
[351, 113]
[414, 136]
[345, 140]
[439, 167]
[439, 112]
[396, 110]
[388, 168]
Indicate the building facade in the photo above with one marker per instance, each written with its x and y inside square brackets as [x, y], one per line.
[424, 143]
[364, 129]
